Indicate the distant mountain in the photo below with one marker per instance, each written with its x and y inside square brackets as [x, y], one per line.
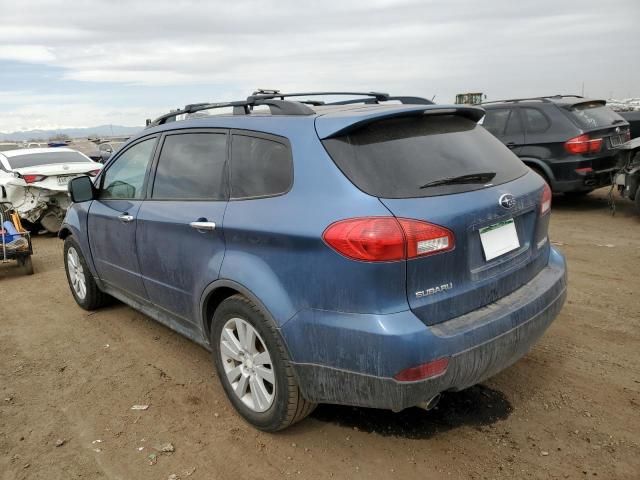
[101, 131]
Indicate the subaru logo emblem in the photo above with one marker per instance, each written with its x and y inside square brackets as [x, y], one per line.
[508, 201]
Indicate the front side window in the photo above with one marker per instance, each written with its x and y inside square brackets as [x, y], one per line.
[192, 166]
[259, 167]
[124, 178]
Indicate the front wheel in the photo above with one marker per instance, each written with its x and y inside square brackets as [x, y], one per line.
[254, 368]
[81, 282]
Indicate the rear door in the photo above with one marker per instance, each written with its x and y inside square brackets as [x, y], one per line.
[506, 125]
[180, 239]
[112, 219]
[500, 238]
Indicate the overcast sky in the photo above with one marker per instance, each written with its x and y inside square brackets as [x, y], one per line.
[84, 63]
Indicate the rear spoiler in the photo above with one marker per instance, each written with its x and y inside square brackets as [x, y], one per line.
[335, 125]
[586, 102]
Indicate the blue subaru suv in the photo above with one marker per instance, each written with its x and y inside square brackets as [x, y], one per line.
[374, 251]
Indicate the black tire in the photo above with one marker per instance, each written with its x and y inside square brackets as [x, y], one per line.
[94, 298]
[26, 265]
[637, 200]
[288, 405]
[32, 228]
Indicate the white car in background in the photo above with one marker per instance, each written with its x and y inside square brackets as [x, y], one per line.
[35, 181]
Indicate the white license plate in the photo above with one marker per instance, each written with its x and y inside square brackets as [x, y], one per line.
[616, 140]
[64, 180]
[499, 238]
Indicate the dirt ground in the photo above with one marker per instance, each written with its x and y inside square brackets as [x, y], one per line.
[569, 409]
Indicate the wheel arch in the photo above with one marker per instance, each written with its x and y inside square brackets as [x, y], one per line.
[64, 232]
[220, 290]
[540, 165]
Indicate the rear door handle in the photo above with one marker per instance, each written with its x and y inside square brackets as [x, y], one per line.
[511, 145]
[203, 226]
[125, 218]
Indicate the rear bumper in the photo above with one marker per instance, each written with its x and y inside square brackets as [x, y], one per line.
[584, 182]
[351, 359]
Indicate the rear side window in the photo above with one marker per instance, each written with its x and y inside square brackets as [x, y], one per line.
[594, 115]
[495, 120]
[536, 120]
[259, 167]
[395, 158]
[191, 167]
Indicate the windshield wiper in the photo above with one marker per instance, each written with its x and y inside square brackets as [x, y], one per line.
[470, 178]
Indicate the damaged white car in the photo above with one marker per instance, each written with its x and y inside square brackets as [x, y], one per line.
[35, 182]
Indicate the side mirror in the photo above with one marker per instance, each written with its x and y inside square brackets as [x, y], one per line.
[82, 189]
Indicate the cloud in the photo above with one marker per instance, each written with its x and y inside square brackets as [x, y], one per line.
[503, 48]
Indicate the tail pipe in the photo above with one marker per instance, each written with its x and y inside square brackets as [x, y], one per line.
[431, 403]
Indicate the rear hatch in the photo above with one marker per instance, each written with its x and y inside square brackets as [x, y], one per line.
[444, 169]
[598, 121]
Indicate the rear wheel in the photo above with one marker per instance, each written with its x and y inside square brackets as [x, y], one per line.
[638, 200]
[254, 368]
[81, 282]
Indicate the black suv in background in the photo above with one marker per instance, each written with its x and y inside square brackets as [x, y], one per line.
[569, 140]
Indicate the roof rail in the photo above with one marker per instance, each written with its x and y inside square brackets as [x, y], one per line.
[544, 98]
[275, 100]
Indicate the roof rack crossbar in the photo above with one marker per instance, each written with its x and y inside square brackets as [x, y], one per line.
[266, 94]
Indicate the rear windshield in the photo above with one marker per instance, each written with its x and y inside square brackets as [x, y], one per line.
[395, 158]
[594, 115]
[46, 158]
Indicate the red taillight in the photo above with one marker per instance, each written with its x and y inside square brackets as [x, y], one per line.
[386, 239]
[545, 200]
[424, 371]
[93, 173]
[583, 144]
[32, 178]
[584, 170]
[373, 239]
[425, 238]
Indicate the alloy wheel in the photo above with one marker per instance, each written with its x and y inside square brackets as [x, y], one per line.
[247, 365]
